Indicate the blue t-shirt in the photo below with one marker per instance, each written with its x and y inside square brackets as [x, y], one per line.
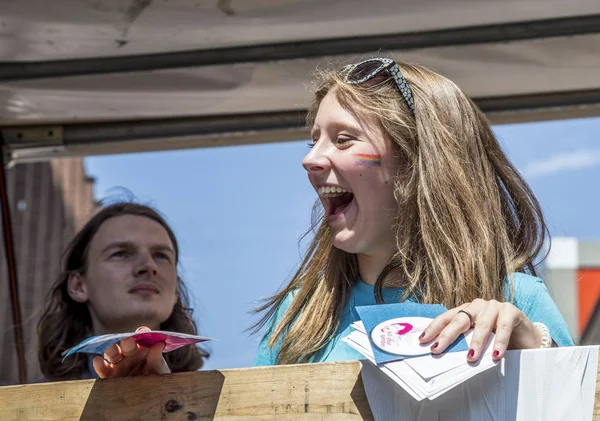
[530, 296]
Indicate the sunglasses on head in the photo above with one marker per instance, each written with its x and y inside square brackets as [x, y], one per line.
[372, 71]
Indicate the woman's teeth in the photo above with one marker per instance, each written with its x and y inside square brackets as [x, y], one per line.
[331, 191]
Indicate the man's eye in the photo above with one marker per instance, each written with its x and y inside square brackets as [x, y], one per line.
[120, 253]
[162, 256]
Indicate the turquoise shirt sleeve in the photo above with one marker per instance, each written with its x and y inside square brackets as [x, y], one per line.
[531, 296]
[266, 355]
[534, 300]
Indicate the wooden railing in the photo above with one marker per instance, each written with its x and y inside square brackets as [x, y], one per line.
[324, 392]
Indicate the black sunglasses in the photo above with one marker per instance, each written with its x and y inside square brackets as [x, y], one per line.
[372, 69]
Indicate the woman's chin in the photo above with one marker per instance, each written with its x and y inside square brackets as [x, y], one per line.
[345, 241]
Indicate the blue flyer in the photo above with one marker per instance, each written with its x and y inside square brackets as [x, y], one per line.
[394, 329]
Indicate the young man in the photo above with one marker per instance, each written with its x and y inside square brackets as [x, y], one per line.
[118, 273]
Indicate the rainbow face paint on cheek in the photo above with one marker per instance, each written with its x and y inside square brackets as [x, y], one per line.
[367, 160]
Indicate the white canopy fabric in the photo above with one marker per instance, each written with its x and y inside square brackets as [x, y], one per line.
[81, 77]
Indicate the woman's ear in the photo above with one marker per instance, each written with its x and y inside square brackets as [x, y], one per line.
[77, 287]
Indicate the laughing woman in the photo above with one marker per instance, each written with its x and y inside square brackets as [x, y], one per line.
[420, 204]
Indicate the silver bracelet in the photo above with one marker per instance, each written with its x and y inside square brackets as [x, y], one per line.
[546, 338]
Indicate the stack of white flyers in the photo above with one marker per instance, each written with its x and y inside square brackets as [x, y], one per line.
[392, 344]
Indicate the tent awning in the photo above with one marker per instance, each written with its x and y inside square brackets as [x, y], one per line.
[100, 76]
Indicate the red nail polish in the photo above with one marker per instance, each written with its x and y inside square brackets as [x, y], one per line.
[435, 345]
[496, 353]
[471, 353]
[422, 335]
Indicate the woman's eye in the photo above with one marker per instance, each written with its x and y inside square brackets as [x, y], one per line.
[340, 140]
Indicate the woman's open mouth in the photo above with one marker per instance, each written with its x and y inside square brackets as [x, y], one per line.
[336, 198]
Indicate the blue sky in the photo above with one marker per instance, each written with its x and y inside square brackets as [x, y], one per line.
[239, 212]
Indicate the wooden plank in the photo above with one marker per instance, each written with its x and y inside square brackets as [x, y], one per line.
[596, 416]
[327, 392]
[324, 392]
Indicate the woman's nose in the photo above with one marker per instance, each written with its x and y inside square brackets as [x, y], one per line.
[316, 160]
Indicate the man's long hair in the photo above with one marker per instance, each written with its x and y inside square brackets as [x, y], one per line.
[66, 322]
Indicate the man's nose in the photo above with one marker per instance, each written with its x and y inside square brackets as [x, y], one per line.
[146, 264]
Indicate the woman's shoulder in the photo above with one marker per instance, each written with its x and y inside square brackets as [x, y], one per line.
[523, 283]
[279, 311]
[532, 297]
[522, 288]
[266, 354]
[525, 280]
[525, 290]
[285, 303]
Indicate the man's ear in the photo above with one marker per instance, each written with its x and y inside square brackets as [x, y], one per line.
[77, 287]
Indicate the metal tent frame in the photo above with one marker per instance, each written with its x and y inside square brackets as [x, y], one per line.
[103, 77]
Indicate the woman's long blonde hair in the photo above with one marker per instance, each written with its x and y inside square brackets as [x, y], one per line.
[465, 221]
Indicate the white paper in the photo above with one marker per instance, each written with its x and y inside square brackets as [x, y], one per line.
[358, 325]
[431, 366]
[564, 381]
[531, 385]
[427, 376]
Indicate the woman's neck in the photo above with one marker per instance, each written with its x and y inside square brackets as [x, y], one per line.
[371, 266]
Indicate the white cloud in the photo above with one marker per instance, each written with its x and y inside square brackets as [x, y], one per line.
[562, 162]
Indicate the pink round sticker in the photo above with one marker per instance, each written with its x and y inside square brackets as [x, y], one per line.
[401, 336]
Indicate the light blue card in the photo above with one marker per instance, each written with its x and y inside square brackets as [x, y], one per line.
[98, 344]
[373, 315]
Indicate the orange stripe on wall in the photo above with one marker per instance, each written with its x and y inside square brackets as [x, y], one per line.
[588, 289]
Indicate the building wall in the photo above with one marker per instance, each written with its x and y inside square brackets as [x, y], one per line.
[588, 283]
[572, 274]
[49, 201]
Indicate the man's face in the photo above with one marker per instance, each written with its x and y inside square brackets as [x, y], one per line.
[131, 276]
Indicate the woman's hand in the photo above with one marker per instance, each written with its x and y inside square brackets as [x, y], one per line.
[130, 359]
[512, 328]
